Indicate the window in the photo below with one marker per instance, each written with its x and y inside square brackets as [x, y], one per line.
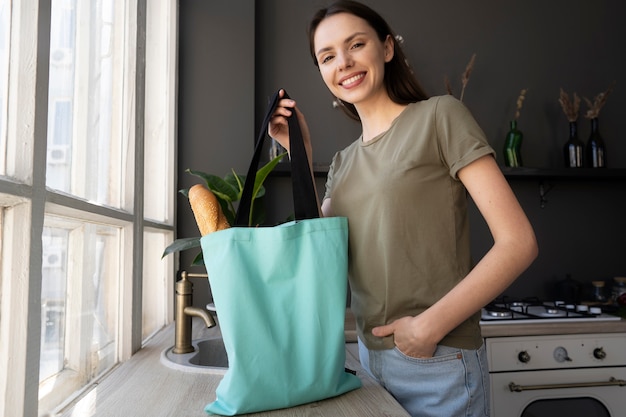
[156, 281]
[87, 148]
[87, 190]
[5, 30]
[79, 299]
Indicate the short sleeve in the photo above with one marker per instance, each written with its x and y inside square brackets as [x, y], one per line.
[461, 140]
[329, 178]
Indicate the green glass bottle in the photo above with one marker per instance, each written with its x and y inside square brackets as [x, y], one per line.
[513, 146]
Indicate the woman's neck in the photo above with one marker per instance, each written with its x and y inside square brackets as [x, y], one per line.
[376, 118]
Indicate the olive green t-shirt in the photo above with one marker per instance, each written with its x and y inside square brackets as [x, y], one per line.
[407, 215]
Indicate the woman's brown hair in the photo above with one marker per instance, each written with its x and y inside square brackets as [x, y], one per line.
[400, 82]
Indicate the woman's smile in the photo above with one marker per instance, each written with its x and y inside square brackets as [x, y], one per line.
[352, 80]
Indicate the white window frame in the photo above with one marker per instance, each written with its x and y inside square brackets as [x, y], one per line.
[24, 198]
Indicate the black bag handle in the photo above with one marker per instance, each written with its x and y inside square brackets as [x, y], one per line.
[304, 198]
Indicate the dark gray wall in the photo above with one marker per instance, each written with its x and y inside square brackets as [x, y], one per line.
[234, 54]
[216, 82]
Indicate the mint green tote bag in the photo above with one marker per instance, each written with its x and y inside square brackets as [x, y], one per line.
[280, 296]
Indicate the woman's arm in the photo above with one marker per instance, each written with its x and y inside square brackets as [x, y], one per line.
[326, 208]
[514, 249]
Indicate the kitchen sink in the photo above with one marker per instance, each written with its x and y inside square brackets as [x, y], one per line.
[209, 357]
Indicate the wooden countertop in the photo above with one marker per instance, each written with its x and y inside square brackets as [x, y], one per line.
[545, 328]
[142, 386]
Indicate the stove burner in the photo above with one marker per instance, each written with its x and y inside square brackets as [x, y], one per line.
[519, 307]
[552, 310]
[519, 304]
[499, 313]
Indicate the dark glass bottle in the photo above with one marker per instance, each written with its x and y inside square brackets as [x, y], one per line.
[573, 149]
[513, 146]
[596, 152]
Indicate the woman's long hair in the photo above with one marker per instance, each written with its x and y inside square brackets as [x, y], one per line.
[400, 82]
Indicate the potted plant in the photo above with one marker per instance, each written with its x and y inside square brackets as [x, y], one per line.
[228, 191]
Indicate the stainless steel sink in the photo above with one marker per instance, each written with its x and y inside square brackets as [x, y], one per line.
[209, 357]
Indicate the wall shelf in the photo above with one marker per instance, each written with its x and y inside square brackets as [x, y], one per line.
[565, 173]
[518, 173]
[283, 169]
[321, 170]
[544, 175]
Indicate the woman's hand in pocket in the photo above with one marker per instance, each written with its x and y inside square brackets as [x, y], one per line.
[410, 336]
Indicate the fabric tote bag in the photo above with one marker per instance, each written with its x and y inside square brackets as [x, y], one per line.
[280, 296]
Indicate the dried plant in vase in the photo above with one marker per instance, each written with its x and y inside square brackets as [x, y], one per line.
[464, 78]
[520, 102]
[570, 107]
[573, 149]
[596, 151]
[594, 108]
[466, 75]
[513, 141]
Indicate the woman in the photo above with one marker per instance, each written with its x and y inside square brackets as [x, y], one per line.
[416, 294]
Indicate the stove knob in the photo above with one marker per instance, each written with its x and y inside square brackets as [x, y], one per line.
[560, 355]
[523, 357]
[599, 353]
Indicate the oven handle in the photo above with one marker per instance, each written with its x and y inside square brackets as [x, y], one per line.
[610, 383]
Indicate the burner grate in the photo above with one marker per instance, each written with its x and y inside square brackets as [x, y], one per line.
[535, 309]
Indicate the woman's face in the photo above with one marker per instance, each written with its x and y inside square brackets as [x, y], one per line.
[351, 58]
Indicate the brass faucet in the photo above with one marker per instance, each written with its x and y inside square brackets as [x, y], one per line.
[184, 312]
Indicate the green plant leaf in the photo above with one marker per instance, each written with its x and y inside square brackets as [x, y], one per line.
[261, 175]
[181, 244]
[236, 181]
[263, 172]
[198, 260]
[258, 215]
[217, 185]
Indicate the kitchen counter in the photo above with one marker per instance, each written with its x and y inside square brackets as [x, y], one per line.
[142, 386]
[546, 328]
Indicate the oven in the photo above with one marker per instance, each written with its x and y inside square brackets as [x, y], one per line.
[574, 375]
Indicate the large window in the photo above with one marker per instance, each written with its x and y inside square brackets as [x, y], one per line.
[86, 191]
[87, 146]
[79, 299]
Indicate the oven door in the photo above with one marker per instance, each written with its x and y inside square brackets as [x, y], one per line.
[598, 392]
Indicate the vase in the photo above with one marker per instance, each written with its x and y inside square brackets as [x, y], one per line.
[573, 149]
[513, 146]
[596, 152]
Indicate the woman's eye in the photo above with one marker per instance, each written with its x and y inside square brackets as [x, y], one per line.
[326, 59]
[357, 45]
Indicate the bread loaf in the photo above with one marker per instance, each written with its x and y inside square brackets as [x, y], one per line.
[207, 210]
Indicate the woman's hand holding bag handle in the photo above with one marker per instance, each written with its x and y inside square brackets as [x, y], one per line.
[304, 194]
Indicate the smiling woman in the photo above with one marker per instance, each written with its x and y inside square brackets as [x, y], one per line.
[414, 321]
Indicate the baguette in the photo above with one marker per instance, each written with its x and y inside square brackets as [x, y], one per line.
[207, 210]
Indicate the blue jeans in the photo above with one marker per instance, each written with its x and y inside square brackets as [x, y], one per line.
[453, 383]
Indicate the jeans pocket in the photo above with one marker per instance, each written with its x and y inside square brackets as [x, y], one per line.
[442, 354]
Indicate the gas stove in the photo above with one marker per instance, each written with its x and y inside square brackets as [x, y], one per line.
[504, 311]
[576, 374]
